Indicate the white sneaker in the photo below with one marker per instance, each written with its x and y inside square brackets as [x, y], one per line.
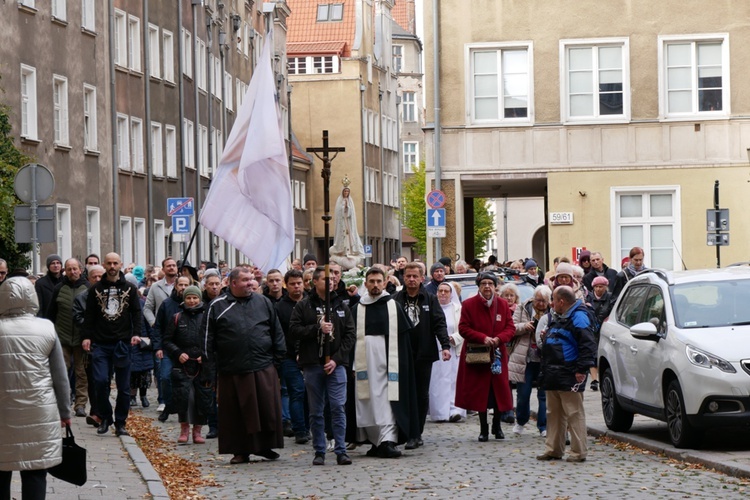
[518, 429]
[543, 433]
[161, 407]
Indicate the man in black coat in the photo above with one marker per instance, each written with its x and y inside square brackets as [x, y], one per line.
[45, 286]
[599, 268]
[424, 311]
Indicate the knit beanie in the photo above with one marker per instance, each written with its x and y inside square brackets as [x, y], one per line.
[307, 258]
[531, 263]
[436, 266]
[53, 257]
[564, 268]
[192, 290]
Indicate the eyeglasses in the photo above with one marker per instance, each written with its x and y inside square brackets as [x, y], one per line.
[487, 283]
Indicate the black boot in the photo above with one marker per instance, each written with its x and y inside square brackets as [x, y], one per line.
[497, 429]
[483, 427]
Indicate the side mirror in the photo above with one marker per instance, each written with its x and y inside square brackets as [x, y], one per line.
[644, 331]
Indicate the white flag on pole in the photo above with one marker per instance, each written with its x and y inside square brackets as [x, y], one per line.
[249, 203]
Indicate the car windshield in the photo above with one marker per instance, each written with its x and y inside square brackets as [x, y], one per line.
[711, 303]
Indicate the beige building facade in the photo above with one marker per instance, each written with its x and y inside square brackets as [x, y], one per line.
[621, 114]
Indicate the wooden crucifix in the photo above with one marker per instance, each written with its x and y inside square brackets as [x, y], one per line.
[324, 154]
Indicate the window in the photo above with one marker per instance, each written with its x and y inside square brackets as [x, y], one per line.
[134, 43]
[500, 85]
[228, 100]
[93, 230]
[201, 62]
[28, 102]
[136, 144]
[27, 3]
[648, 218]
[312, 65]
[596, 79]
[170, 137]
[89, 118]
[330, 12]
[187, 53]
[203, 150]
[126, 240]
[153, 51]
[631, 306]
[302, 195]
[241, 91]
[371, 185]
[159, 241]
[123, 142]
[121, 39]
[188, 144]
[139, 242]
[218, 148]
[295, 194]
[398, 55]
[167, 47]
[695, 76]
[88, 15]
[409, 104]
[157, 150]
[217, 77]
[59, 10]
[411, 157]
[64, 239]
[247, 42]
[60, 109]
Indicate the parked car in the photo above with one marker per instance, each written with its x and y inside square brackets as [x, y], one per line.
[676, 347]
[469, 285]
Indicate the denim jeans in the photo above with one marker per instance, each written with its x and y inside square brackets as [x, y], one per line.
[103, 360]
[523, 398]
[291, 376]
[319, 385]
[165, 374]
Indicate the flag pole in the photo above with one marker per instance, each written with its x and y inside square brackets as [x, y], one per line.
[187, 252]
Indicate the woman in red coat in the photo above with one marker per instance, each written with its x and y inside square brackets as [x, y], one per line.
[485, 319]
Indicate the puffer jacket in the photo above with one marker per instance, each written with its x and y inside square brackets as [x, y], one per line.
[519, 346]
[568, 348]
[34, 389]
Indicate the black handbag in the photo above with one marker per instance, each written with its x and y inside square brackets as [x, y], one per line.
[72, 469]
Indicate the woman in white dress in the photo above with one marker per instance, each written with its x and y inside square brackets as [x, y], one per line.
[443, 381]
[347, 249]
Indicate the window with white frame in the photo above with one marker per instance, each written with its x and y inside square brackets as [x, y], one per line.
[257, 47]
[409, 106]
[187, 53]
[167, 48]
[398, 58]
[60, 109]
[27, 3]
[153, 51]
[500, 86]
[139, 241]
[395, 194]
[372, 185]
[59, 10]
[203, 150]
[247, 41]
[90, 139]
[694, 76]
[206, 243]
[28, 102]
[188, 143]
[218, 148]
[295, 194]
[123, 142]
[411, 157]
[157, 150]
[64, 238]
[93, 230]
[648, 217]
[228, 90]
[160, 240]
[121, 38]
[201, 62]
[134, 43]
[136, 144]
[241, 91]
[313, 65]
[126, 240]
[170, 139]
[330, 12]
[88, 15]
[217, 78]
[376, 131]
[595, 81]
[303, 195]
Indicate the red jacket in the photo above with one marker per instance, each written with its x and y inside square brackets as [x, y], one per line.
[475, 381]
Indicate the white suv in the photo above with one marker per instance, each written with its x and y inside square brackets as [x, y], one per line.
[676, 347]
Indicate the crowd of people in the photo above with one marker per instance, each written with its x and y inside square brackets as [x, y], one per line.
[256, 357]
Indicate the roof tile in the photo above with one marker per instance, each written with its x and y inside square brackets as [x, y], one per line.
[303, 25]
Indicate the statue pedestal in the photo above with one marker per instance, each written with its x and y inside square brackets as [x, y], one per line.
[346, 261]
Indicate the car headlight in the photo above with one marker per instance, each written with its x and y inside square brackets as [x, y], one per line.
[707, 360]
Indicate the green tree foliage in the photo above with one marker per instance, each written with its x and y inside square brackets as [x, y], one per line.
[484, 225]
[414, 207]
[11, 159]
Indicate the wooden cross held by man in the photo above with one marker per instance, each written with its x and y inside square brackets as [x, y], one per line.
[323, 154]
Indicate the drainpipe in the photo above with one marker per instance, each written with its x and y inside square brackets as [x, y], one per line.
[223, 48]
[181, 93]
[196, 131]
[436, 100]
[149, 146]
[381, 249]
[209, 87]
[113, 107]
[399, 176]
[363, 114]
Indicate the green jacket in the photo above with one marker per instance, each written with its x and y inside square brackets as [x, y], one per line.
[61, 311]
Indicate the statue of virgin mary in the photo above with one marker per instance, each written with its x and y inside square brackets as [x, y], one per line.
[347, 249]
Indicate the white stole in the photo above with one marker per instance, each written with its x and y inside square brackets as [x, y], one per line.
[360, 359]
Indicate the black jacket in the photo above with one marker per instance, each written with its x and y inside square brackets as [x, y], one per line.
[304, 329]
[431, 325]
[183, 334]
[284, 308]
[608, 273]
[168, 308]
[113, 312]
[242, 335]
[45, 287]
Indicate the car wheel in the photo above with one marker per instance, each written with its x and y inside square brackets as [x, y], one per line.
[681, 432]
[616, 418]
